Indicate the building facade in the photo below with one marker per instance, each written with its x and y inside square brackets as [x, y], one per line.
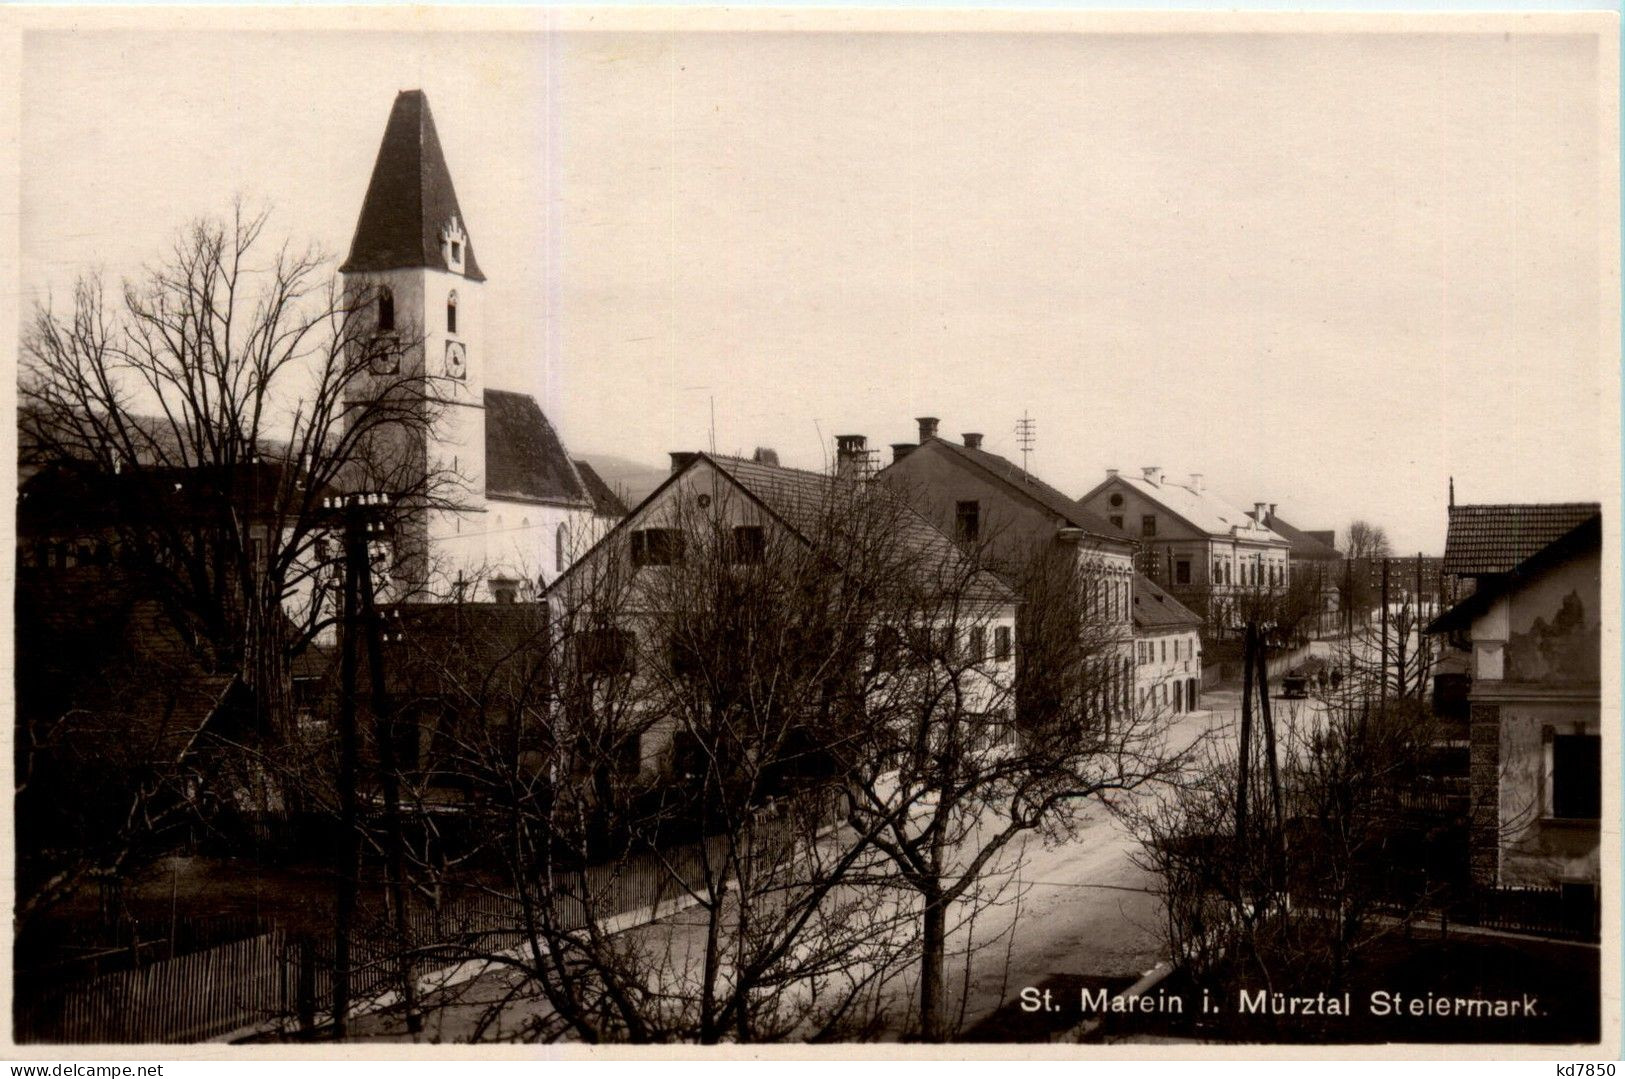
[1532, 628]
[1204, 551]
[1167, 651]
[1010, 519]
[627, 596]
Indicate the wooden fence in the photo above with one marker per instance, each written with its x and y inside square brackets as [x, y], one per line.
[191, 998]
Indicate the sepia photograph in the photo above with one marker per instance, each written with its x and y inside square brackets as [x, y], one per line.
[808, 529]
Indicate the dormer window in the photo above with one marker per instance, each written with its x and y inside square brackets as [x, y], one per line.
[451, 310]
[386, 310]
[453, 240]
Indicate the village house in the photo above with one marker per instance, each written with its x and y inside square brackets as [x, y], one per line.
[1167, 651]
[526, 508]
[1313, 557]
[1203, 550]
[1009, 517]
[613, 600]
[1532, 627]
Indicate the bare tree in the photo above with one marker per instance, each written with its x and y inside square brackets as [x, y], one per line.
[183, 439]
[1365, 545]
[213, 406]
[1291, 895]
[951, 764]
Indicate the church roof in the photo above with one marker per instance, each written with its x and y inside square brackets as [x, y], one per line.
[409, 199]
[605, 502]
[524, 456]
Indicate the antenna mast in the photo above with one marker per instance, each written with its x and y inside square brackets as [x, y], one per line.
[1026, 435]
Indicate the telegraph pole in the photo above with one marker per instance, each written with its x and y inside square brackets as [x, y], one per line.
[349, 841]
[388, 768]
[360, 519]
[1383, 682]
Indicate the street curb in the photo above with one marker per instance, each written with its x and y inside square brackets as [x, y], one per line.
[1148, 981]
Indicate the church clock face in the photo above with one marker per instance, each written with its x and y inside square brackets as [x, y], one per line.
[456, 360]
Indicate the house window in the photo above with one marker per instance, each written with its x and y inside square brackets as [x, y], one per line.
[657, 547]
[1182, 571]
[967, 521]
[558, 550]
[1148, 524]
[1117, 499]
[451, 308]
[629, 759]
[978, 644]
[1001, 642]
[386, 310]
[1117, 520]
[604, 652]
[1165, 650]
[750, 545]
[1577, 776]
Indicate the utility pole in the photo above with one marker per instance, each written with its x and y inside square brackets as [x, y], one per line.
[1383, 681]
[360, 518]
[349, 839]
[389, 771]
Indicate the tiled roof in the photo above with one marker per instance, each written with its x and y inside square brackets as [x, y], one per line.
[802, 499]
[1204, 510]
[1583, 537]
[524, 457]
[1156, 609]
[1068, 509]
[63, 498]
[605, 502]
[409, 199]
[1305, 545]
[1491, 539]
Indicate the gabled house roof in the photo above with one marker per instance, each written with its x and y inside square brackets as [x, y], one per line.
[800, 501]
[1306, 546]
[1200, 509]
[61, 497]
[1155, 609]
[1490, 539]
[1014, 477]
[1584, 537]
[605, 502]
[524, 456]
[409, 199]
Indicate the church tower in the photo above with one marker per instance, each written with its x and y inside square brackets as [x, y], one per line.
[412, 259]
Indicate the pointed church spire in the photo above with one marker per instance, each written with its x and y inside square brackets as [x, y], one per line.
[410, 217]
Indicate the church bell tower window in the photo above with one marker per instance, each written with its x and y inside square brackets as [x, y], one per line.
[451, 312]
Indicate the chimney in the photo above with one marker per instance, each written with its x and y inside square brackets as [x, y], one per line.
[1261, 512]
[900, 450]
[766, 455]
[1196, 481]
[680, 461]
[973, 440]
[1272, 511]
[1153, 475]
[851, 459]
[928, 428]
[1111, 473]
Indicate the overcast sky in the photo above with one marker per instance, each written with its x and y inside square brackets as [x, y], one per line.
[1327, 271]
